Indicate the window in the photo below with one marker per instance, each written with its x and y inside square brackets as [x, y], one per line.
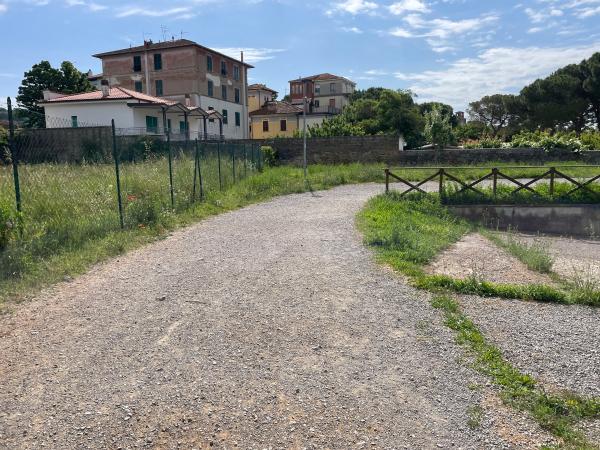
[237, 95]
[265, 125]
[151, 124]
[317, 88]
[332, 88]
[210, 108]
[137, 63]
[169, 125]
[210, 88]
[182, 127]
[74, 123]
[236, 73]
[139, 86]
[157, 61]
[283, 125]
[224, 92]
[224, 68]
[237, 119]
[317, 103]
[159, 88]
[224, 117]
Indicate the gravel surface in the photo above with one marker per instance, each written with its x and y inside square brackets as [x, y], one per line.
[267, 327]
[478, 256]
[558, 344]
[573, 257]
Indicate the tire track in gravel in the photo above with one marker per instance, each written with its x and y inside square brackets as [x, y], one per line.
[267, 327]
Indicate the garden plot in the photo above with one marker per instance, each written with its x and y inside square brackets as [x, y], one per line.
[476, 256]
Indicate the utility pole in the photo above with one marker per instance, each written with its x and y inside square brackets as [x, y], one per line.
[304, 133]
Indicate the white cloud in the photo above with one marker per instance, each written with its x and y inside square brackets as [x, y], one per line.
[3, 8]
[499, 70]
[354, 30]
[354, 7]
[251, 55]
[403, 6]
[92, 6]
[441, 33]
[138, 11]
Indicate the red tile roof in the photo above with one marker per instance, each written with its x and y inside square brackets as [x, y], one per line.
[115, 93]
[271, 108]
[260, 87]
[164, 45]
[323, 77]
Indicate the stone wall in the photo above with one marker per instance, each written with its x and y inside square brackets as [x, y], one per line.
[384, 149]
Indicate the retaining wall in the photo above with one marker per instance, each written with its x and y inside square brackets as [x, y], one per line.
[564, 220]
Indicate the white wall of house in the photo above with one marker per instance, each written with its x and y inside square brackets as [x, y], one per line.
[89, 114]
[230, 130]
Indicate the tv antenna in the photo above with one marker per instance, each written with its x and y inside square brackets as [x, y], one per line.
[182, 33]
[163, 30]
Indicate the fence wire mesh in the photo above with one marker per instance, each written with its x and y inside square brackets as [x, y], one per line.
[84, 183]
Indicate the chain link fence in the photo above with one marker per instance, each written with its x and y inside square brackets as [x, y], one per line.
[62, 187]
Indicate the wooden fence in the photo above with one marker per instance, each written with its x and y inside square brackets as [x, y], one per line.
[496, 174]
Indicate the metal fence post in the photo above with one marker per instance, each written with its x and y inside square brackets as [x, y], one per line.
[219, 165]
[15, 163]
[245, 161]
[387, 180]
[233, 160]
[441, 188]
[117, 173]
[170, 168]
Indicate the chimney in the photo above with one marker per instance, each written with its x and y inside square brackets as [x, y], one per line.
[105, 88]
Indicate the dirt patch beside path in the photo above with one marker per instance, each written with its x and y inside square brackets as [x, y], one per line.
[476, 256]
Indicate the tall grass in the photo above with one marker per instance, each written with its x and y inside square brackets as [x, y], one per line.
[535, 255]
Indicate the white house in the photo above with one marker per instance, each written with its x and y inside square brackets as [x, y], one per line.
[133, 113]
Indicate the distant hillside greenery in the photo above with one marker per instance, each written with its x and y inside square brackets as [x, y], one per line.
[559, 111]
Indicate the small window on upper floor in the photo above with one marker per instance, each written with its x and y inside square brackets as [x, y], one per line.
[237, 95]
[139, 87]
[225, 117]
[137, 63]
[332, 88]
[157, 61]
[224, 92]
[236, 73]
[224, 68]
[209, 66]
[265, 125]
[317, 88]
[238, 119]
[159, 88]
[210, 88]
[74, 122]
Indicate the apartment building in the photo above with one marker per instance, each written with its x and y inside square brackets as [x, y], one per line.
[258, 95]
[186, 72]
[326, 93]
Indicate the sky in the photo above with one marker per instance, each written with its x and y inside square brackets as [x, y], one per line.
[454, 51]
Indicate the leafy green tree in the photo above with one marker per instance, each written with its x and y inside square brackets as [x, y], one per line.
[472, 130]
[67, 79]
[497, 112]
[557, 101]
[398, 113]
[446, 110]
[591, 85]
[438, 129]
[336, 126]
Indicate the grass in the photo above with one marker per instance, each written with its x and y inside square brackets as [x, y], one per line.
[505, 195]
[557, 413]
[535, 256]
[70, 216]
[408, 232]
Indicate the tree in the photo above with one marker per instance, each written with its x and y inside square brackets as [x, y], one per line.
[591, 85]
[446, 110]
[497, 111]
[557, 101]
[438, 129]
[336, 126]
[67, 80]
[398, 113]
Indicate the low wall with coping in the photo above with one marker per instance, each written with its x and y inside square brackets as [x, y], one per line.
[565, 220]
[385, 150]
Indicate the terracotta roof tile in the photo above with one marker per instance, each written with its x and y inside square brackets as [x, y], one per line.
[323, 76]
[115, 93]
[260, 86]
[271, 108]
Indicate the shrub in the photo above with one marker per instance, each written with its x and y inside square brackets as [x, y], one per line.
[92, 151]
[547, 141]
[144, 210]
[270, 156]
[486, 142]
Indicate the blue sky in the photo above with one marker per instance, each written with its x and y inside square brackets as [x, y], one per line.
[447, 50]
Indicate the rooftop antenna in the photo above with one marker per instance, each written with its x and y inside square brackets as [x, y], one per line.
[164, 30]
[182, 33]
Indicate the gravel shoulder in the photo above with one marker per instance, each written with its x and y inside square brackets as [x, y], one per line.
[270, 326]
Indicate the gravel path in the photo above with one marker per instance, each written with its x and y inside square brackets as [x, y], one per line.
[267, 327]
[558, 344]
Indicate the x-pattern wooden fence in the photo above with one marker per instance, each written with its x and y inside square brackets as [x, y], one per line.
[495, 174]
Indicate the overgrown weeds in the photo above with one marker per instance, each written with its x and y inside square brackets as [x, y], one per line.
[535, 255]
